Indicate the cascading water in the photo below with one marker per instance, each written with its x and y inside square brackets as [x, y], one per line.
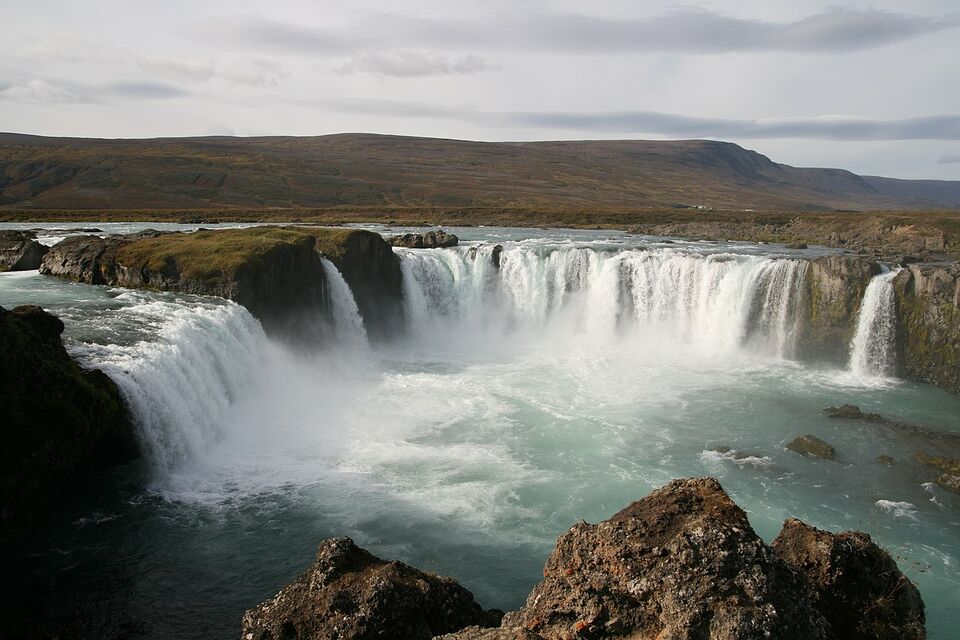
[718, 302]
[179, 382]
[873, 350]
[345, 317]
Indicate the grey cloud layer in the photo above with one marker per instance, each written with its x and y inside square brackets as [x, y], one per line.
[698, 31]
[945, 127]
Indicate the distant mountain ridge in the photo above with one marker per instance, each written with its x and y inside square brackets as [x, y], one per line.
[370, 170]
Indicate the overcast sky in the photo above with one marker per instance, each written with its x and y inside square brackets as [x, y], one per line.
[869, 86]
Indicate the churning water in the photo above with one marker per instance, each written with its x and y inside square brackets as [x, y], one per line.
[580, 374]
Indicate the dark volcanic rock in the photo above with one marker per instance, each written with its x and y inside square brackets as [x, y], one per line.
[950, 478]
[431, 240]
[19, 251]
[372, 270]
[276, 273]
[812, 446]
[349, 594]
[859, 588]
[58, 421]
[851, 412]
[681, 563]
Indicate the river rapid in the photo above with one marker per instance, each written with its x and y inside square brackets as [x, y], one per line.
[586, 370]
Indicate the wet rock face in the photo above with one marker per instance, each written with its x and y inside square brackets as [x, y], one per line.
[858, 587]
[349, 594]
[58, 422]
[812, 447]
[928, 322]
[681, 563]
[19, 251]
[834, 289]
[431, 240]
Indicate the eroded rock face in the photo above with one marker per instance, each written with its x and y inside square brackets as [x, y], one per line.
[58, 421]
[430, 240]
[834, 290]
[928, 314]
[349, 594]
[858, 587]
[19, 251]
[681, 563]
[284, 286]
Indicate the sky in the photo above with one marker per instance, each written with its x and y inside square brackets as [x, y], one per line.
[873, 87]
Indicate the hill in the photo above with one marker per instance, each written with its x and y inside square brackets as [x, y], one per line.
[380, 171]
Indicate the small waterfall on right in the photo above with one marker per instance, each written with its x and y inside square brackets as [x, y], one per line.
[873, 349]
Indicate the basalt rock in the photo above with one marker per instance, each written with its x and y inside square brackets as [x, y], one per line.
[275, 272]
[431, 240]
[858, 587]
[19, 251]
[682, 563]
[812, 447]
[833, 291]
[851, 412]
[950, 477]
[928, 321]
[58, 421]
[349, 594]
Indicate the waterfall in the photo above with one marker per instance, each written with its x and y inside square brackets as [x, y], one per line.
[873, 349]
[179, 382]
[718, 302]
[346, 322]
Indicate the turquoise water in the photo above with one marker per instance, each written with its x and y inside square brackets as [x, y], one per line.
[469, 446]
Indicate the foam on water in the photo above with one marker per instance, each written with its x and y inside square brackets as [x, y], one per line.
[562, 386]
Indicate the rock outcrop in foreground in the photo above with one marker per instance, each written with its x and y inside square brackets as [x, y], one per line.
[682, 563]
[57, 420]
[349, 593]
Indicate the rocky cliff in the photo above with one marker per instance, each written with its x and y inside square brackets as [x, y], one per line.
[928, 313]
[830, 301]
[58, 421]
[19, 251]
[275, 272]
[681, 563]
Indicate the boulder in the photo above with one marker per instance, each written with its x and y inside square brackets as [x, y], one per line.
[59, 422]
[950, 478]
[19, 251]
[885, 459]
[349, 594]
[430, 240]
[858, 587]
[681, 563]
[812, 447]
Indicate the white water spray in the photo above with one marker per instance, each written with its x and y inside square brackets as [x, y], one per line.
[717, 302]
[873, 350]
[345, 317]
[179, 383]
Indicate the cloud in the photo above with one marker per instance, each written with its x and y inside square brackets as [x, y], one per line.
[950, 158]
[38, 91]
[410, 64]
[634, 123]
[689, 30]
[144, 89]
